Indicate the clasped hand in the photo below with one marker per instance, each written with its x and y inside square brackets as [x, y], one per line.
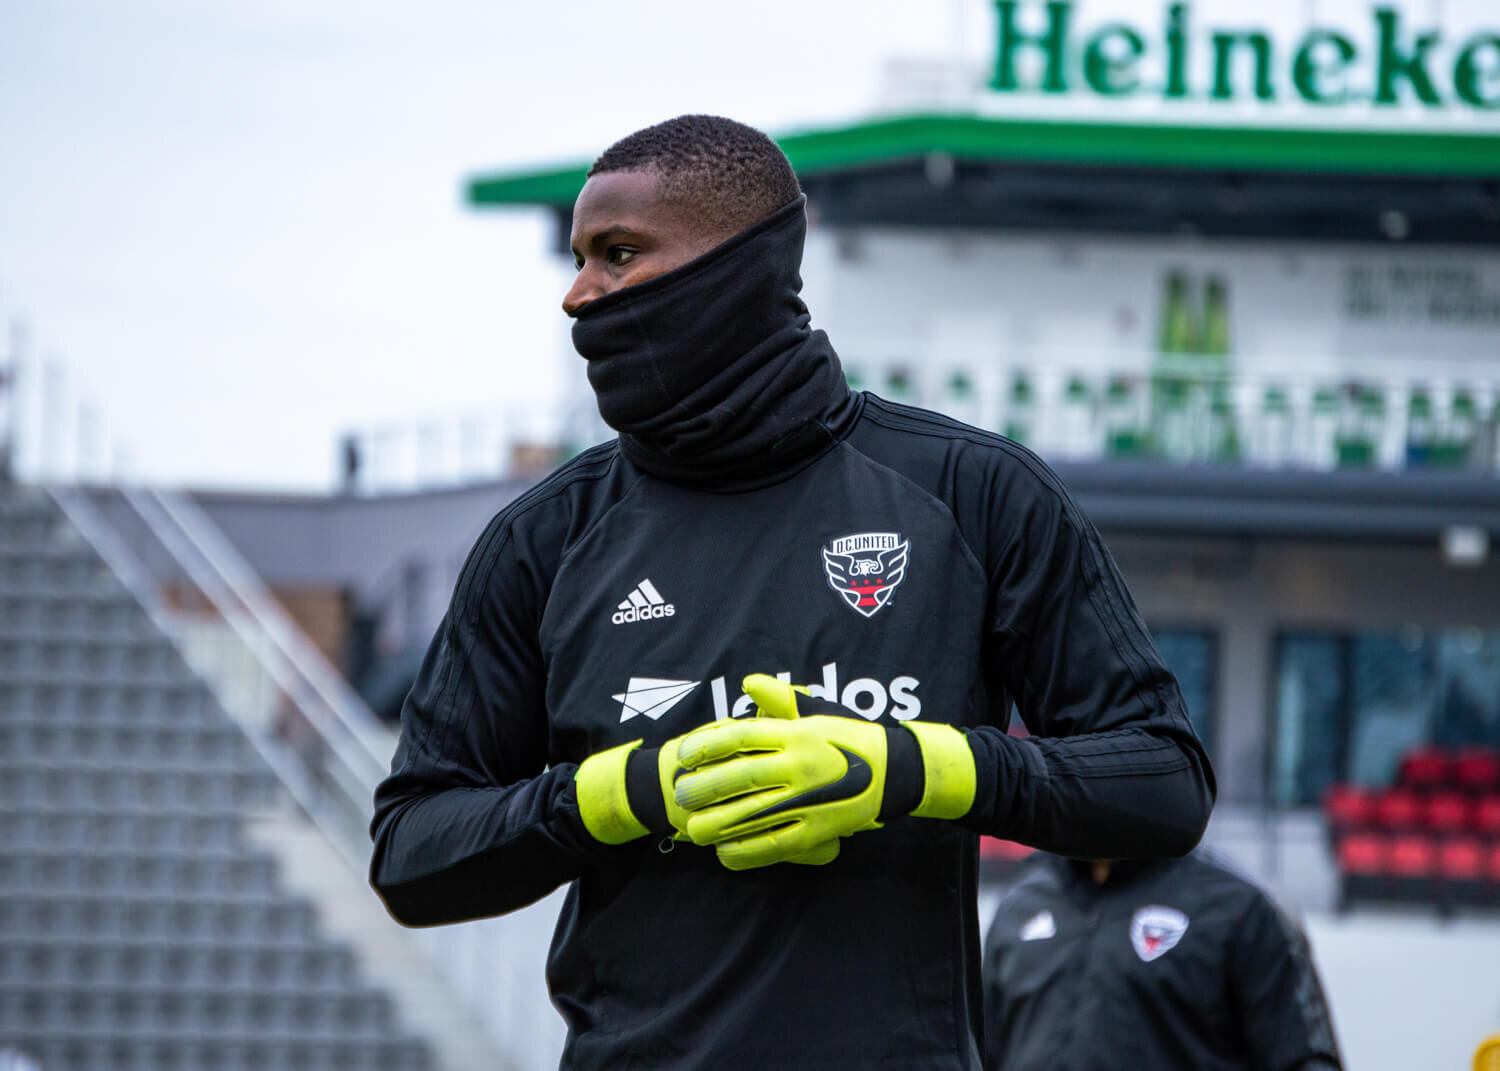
[783, 786]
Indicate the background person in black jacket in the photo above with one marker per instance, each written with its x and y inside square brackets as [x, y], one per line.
[795, 890]
[1171, 965]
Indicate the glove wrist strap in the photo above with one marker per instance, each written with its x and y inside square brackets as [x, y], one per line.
[904, 775]
[643, 786]
[604, 799]
[948, 766]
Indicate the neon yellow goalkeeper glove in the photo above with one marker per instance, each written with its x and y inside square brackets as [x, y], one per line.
[625, 792]
[770, 789]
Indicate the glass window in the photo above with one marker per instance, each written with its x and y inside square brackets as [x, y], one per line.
[1310, 705]
[1468, 688]
[1391, 686]
[1193, 657]
[1349, 705]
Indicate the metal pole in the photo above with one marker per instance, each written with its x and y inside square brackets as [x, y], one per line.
[86, 460]
[10, 445]
[50, 466]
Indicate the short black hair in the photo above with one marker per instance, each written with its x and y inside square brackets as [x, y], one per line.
[728, 173]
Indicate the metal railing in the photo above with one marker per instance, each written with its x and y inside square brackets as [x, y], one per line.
[1187, 411]
[343, 748]
[321, 740]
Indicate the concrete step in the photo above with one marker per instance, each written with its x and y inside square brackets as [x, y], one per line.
[389, 955]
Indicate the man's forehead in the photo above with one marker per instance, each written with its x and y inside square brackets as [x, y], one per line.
[625, 199]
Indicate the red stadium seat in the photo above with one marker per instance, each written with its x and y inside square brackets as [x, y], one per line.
[998, 858]
[1397, 809]
[1446, 812]
[1492, 864]
[1461, 865]
[1477, 770]
[1362, 867]
[1348, 807]
[1412, 855]
[1362, 854]
[1412, 869]
[1426, 769]
[1462, 859]
[1485, 817]
[1008, 850]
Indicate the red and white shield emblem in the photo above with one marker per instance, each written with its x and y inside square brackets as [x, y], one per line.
[1155, 931]
[865, 568]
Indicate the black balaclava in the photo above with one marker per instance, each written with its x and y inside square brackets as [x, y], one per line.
[710, 372]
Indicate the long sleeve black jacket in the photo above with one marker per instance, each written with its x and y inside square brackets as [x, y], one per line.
[607, 604]
[1170, 964]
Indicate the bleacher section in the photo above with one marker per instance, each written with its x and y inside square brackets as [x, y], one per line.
[138, 927]
[1432, 838]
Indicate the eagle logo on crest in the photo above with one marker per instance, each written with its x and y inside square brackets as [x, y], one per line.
[865, 568]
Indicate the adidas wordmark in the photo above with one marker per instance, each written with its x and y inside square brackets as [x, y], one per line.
[643, 604]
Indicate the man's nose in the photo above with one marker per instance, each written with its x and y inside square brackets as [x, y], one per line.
[585, 288]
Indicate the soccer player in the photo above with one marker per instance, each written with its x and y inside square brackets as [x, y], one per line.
[1156, 963]
[781, 878]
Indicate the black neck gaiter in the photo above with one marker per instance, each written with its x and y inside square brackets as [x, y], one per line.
[710, 373]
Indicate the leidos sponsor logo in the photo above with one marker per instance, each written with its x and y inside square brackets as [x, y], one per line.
[866, 696]
[866, 568]
[643, 604]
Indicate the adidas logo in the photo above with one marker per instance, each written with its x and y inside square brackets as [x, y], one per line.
[643, 604]
[651, 696]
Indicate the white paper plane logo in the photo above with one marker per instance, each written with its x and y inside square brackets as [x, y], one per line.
[651, 696]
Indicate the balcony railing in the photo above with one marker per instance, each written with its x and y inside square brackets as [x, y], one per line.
[1183, 414]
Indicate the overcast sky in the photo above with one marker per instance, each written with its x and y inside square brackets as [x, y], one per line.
[238, 227]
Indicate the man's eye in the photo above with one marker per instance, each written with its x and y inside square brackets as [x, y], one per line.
[619, 254]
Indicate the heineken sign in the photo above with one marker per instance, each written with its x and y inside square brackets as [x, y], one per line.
[1381, 60]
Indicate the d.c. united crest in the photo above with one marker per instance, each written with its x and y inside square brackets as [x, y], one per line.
[1155, 931]
[866, 568]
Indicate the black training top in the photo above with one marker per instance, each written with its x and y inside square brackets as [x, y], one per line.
[1177, 963]
[905, 564]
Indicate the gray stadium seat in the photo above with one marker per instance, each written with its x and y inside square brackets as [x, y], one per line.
[138, 930]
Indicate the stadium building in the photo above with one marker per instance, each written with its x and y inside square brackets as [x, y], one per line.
[1236, 277]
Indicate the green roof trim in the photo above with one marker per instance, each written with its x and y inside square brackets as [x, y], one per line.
[883, 141]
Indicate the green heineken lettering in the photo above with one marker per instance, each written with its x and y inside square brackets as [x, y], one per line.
[1386, 63]
[1470, 79]
[1223, 60]
[1393, 65]
[1053, 42]
[1309, 71]
[1176, 51]
[1109, 60]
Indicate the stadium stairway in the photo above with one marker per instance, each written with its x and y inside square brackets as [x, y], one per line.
[389, 955]
[146, 920]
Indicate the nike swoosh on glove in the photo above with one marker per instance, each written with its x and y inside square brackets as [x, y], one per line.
[626, 792]
[770, 789]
